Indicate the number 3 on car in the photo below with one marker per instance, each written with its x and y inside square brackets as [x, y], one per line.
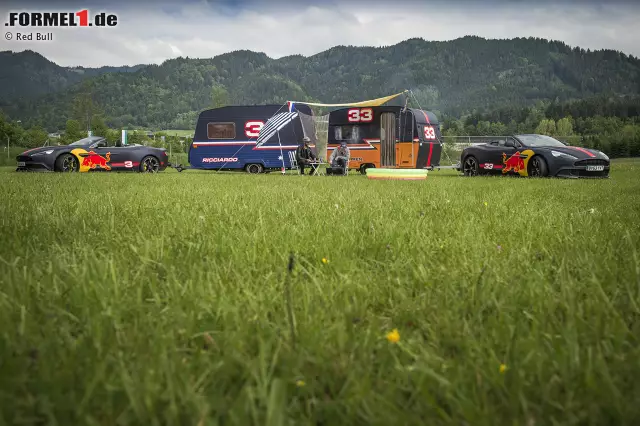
[128, 164]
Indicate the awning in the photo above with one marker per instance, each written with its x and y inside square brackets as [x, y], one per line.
[369, 103]
[273, 125]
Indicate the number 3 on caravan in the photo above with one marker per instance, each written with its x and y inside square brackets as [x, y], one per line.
[364, 115]
[252, 128]
[429, 133]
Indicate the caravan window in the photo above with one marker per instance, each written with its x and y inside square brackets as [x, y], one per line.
[351, 134]
[221, 130]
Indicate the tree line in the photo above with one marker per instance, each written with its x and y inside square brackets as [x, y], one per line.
[609, 124]
[74, 130]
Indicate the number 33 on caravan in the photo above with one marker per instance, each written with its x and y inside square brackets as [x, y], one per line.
[364, 115]
[429, 133]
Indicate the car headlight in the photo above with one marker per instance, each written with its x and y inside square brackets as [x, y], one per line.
[563, 155]
[47, 152]
[604, 155]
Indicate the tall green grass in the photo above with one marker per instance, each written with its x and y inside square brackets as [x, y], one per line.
[160, 299]
[10, 160]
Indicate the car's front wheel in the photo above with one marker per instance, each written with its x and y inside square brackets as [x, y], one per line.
[67, 163]
[538, 167]
[149, 164]
[470, 166]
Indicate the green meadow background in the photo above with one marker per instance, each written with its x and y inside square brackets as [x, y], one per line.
[166, 299]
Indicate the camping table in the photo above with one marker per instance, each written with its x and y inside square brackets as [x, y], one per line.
[319, 171]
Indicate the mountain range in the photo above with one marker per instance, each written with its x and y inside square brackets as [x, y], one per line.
[28, 74]
[467, 75]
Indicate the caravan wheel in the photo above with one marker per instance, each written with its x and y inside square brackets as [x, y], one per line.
[364, 167]
[254, 168]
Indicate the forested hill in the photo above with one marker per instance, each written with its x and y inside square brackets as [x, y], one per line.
[28, 74]
[469, 74]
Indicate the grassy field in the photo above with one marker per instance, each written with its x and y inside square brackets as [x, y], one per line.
[10, 160]
[165, 299]
[175, 132]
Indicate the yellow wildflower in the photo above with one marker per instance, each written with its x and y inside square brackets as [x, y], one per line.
[486, 204]
[325, 260]
[300, 383]
[503, 368]
[393, 336]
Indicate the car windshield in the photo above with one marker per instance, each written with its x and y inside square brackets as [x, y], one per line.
[539, 140]
[85, 141]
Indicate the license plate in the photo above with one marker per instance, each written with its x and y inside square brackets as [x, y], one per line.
[595, 168]
[20, 163]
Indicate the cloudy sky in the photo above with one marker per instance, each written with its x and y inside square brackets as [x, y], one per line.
[151, 32]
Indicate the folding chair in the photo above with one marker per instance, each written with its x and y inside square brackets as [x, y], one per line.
[332, 170]
[293, 161]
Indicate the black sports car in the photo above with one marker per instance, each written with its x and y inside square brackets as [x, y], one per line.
[533, 155]
[92, 154]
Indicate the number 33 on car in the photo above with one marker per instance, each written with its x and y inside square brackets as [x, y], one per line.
[93, 154]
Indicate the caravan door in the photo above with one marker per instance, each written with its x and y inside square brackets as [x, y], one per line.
[387, 139]
[406, 148]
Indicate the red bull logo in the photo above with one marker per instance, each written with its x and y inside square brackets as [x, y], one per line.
[93, 160]
[515, 163]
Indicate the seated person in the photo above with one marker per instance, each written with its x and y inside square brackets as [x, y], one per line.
[304, 156]
[340, 157]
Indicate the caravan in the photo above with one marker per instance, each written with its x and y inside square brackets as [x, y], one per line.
[262, 138]
[387, 137]
[226, 138]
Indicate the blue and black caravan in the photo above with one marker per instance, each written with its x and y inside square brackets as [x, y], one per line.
[226, 138]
